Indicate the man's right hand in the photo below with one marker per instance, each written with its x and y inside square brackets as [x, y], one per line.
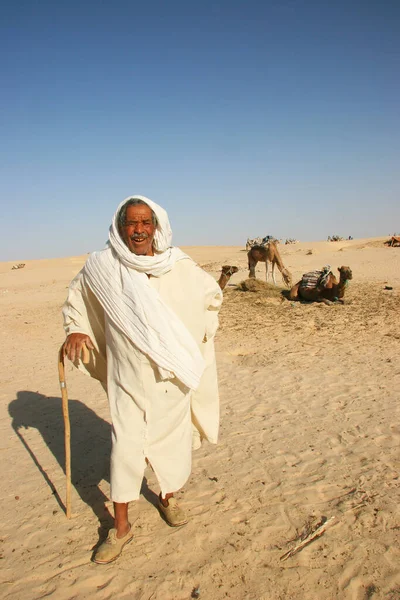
[74, 343]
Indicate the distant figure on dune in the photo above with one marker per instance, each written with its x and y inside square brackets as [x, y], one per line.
[394, 241]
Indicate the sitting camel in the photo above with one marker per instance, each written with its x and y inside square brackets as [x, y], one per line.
[326, 288]
[226, 273]
[268, 254]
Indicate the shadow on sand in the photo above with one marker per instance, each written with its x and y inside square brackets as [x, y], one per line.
[90, 446]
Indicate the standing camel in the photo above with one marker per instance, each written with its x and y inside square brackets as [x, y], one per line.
[268, 254]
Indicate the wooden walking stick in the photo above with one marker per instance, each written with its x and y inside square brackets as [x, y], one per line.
[67, 426]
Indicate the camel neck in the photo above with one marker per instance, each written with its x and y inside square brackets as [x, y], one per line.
[341, 287]
[223, 280]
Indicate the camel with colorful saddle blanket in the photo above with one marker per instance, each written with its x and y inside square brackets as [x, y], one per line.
[322, 286]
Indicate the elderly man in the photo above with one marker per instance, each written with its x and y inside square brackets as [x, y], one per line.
[149, 315]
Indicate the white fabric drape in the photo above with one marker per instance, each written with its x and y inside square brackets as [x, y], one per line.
[119, 280]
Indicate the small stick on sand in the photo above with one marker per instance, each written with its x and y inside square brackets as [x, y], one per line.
[349, 493]
[311, 537]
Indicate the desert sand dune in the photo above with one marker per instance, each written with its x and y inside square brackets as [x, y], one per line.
[309, 431]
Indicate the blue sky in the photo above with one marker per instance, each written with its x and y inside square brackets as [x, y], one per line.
[241, 118]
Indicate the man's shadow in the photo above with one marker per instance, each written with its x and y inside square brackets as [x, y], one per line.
[90, 446]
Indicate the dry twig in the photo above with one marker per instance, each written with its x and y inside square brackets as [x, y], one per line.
[313, 535]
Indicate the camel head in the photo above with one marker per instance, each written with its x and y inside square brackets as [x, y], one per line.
[287, 278]
[229, 270]
[345, 273]
[226, 273]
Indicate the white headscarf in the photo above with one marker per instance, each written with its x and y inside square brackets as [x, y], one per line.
[165, 255]
[118, 278]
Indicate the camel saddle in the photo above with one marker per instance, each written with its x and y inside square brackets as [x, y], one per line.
[314, 279]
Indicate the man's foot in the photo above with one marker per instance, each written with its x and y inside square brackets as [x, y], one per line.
[174, 515]
[112, 547]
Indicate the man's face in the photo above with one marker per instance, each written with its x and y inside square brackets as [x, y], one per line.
[138, 231]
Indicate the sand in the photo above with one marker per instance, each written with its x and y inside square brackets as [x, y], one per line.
[309, 431]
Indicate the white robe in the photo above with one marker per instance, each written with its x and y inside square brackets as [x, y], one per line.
[152, 418]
